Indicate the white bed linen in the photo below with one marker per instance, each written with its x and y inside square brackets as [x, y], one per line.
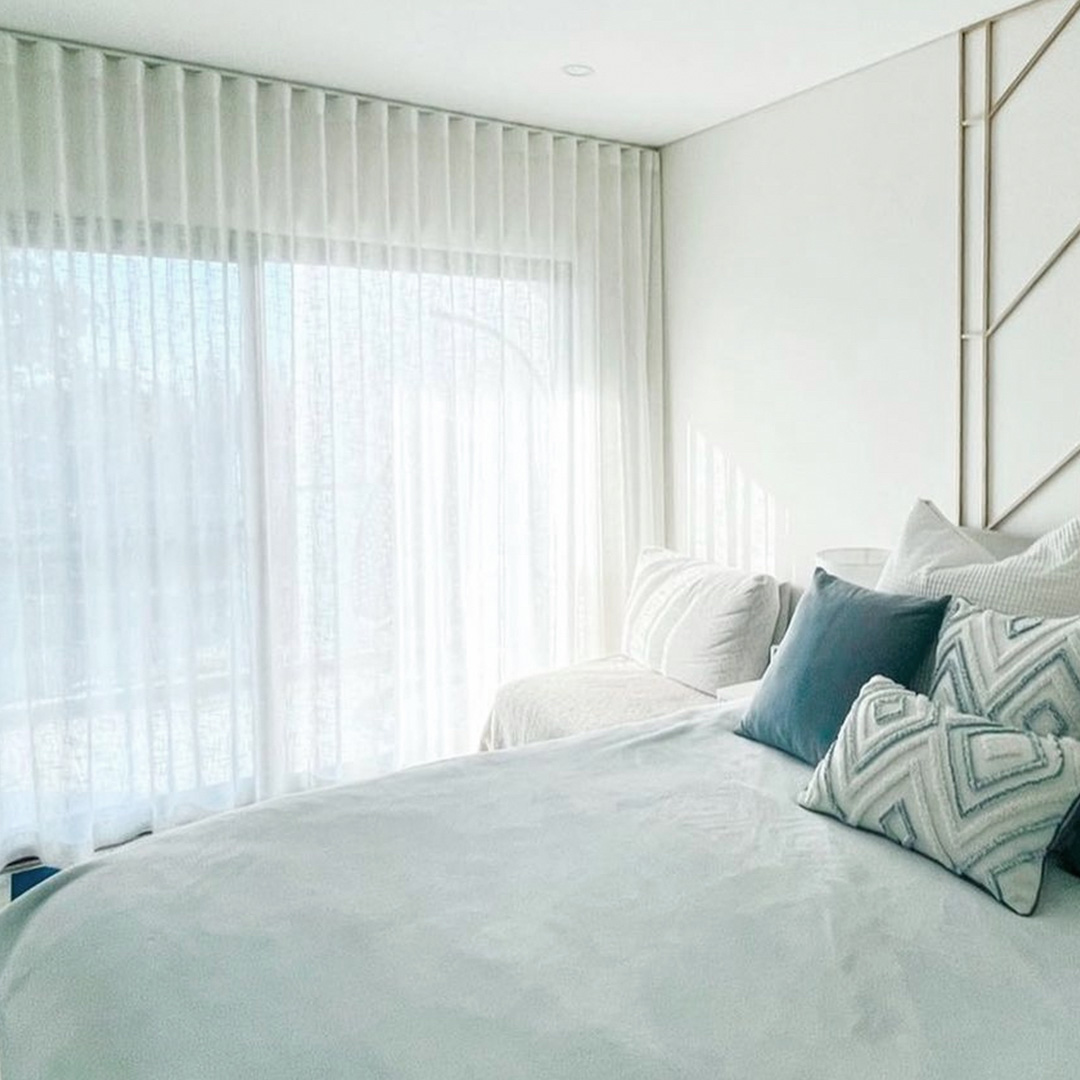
[642, 902]
[584, 697]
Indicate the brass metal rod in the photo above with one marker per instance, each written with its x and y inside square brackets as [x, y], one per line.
[1039, 484]
[961, 259]
[1039, 274]
[988, 150]
[1036, 56]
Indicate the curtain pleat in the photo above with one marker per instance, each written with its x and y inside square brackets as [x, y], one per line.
[319, 418]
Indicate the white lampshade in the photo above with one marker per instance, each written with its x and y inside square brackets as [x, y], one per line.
[859, 565]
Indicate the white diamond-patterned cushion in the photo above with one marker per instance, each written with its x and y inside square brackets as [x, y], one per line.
[1018, 670]
[699, 623]
[983, 800]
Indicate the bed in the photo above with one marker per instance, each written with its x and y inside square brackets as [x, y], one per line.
[640, 902]
[646, 900]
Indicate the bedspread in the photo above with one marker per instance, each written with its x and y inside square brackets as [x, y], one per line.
[640, 903]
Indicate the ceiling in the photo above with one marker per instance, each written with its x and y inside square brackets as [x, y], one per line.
[663, 68]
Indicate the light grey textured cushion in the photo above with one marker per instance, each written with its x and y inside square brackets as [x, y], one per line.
[698, 622]
[983, 800]
[1017, 670]
[934, 558]
[928, 540]
[999, 545]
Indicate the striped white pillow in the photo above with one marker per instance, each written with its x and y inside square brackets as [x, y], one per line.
[699, 623]
[934, 559]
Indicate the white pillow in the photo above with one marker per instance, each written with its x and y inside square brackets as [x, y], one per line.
[935, 558]
[699, 623]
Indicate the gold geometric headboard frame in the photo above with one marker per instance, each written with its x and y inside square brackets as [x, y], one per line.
[980, 317]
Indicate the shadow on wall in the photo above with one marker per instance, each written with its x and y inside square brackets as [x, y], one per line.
[730, 518]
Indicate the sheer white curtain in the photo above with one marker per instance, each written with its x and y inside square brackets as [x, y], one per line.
[319, 417]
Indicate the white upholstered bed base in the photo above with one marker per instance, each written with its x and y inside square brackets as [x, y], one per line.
[584, 697]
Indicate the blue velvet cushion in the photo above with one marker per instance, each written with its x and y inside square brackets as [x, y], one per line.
[840, 637]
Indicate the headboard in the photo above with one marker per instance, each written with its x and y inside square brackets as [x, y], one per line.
[1019, 268]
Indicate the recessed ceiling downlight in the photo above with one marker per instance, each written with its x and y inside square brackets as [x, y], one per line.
[578, 71]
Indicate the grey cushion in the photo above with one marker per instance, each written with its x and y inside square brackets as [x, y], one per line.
[841, 635]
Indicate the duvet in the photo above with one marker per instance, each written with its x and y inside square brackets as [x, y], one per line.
[637, 903]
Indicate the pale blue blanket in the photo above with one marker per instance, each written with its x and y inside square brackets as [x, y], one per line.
[641, 903]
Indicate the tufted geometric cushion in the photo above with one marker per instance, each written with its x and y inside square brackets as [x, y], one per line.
[1016, 670]
[699, 623]
[984, 801]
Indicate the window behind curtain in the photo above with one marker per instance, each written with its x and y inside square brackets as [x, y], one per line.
[360, 443]
[319, 418]
[410, 553]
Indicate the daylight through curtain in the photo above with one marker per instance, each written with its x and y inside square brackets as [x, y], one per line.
[319, 417]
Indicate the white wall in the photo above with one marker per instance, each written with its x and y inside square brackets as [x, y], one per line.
[1031, 381]
[811, 298]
